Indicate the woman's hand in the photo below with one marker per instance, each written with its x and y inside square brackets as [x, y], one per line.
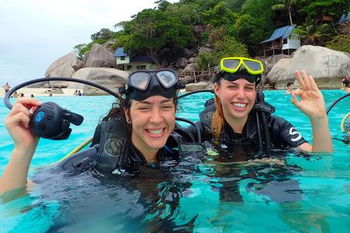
[17, 123]
[311, 99]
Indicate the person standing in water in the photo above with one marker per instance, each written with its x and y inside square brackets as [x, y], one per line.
[6, 87]
[240, 115]
[148, 110]
[346, 84]
[289, 88]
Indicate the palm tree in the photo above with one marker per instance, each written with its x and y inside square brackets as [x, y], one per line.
[286, 4]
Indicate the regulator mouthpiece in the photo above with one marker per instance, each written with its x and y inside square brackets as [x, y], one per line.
[52, 122]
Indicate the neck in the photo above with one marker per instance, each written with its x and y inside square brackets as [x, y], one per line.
[237, 124]
[150, 154]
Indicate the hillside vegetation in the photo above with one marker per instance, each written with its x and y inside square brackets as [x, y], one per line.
[222, 28]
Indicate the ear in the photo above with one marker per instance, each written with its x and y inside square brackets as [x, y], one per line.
[127, 115]
[216, 89]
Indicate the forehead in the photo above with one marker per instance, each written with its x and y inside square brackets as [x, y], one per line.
[241, 81]
[154, 100]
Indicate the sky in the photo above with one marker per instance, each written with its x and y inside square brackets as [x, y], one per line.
[35, 33]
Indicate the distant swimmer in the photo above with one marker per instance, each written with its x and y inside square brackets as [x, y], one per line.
[289, 88]
[6, 87]
[346, 84]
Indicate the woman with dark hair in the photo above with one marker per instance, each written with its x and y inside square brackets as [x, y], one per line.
[136, 132]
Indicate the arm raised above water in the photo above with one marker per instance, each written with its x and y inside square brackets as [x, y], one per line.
[312, 104]
[17, 123]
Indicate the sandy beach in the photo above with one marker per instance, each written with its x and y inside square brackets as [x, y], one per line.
[43, 92]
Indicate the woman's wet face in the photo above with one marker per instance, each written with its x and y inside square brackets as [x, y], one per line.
[237, 97]
[152, 120]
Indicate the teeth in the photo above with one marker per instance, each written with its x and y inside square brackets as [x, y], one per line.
[155, 131]
[239, 105]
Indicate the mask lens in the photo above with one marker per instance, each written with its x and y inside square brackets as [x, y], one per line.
[254, 66]
[139, 80]
[166, 78]
[231, 63]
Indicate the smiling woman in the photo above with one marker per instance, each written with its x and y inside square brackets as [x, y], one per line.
[241, 117]
[136, 132]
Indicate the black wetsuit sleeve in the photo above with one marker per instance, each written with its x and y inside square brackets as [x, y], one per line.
[284, 133]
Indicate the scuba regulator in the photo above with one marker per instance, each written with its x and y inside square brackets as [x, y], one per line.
[50, 120]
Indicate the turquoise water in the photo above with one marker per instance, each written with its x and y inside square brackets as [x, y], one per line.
[307, 194]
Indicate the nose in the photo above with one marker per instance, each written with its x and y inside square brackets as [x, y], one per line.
[156, 116]
[240, 92]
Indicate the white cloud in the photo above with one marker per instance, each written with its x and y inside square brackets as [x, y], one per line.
[34, 33]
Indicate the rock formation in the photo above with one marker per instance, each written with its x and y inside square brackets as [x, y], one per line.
[327, 66]
[107, 77]
[99, 56]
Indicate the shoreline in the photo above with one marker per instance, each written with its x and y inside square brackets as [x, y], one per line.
[44, 92]
[70, 91]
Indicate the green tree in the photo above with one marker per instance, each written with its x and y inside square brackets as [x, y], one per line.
[219, 15]
[152, 30]
[286, 5]
[81, 49]
[226, 47]
[248, 31]
[103, 35]
[315, 9]
[340, 43]
[262, 13]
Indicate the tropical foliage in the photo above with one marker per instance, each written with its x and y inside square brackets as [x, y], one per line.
[232, 27]
[340, 42]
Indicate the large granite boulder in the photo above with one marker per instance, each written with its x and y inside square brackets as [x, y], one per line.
[107, 77]
[64, 66]
[199, 86]
[327, 66]
[277, 71]
[270, 61]
[188, 74]
[99, 56]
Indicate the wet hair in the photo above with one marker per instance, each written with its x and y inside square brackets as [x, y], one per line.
[116, 110]
[217, 122]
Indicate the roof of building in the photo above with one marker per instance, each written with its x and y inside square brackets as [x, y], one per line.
[141, 59]
[282, 32]
[344, 18]
[120, 52]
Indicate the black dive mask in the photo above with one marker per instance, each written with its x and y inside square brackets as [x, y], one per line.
[143, 84]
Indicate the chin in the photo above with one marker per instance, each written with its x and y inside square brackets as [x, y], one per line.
[157, 144]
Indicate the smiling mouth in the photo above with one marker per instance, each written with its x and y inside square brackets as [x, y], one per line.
[239, 105]
[155, 132]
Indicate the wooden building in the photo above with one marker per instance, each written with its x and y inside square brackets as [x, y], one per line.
[282, 41]
[127, 63]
